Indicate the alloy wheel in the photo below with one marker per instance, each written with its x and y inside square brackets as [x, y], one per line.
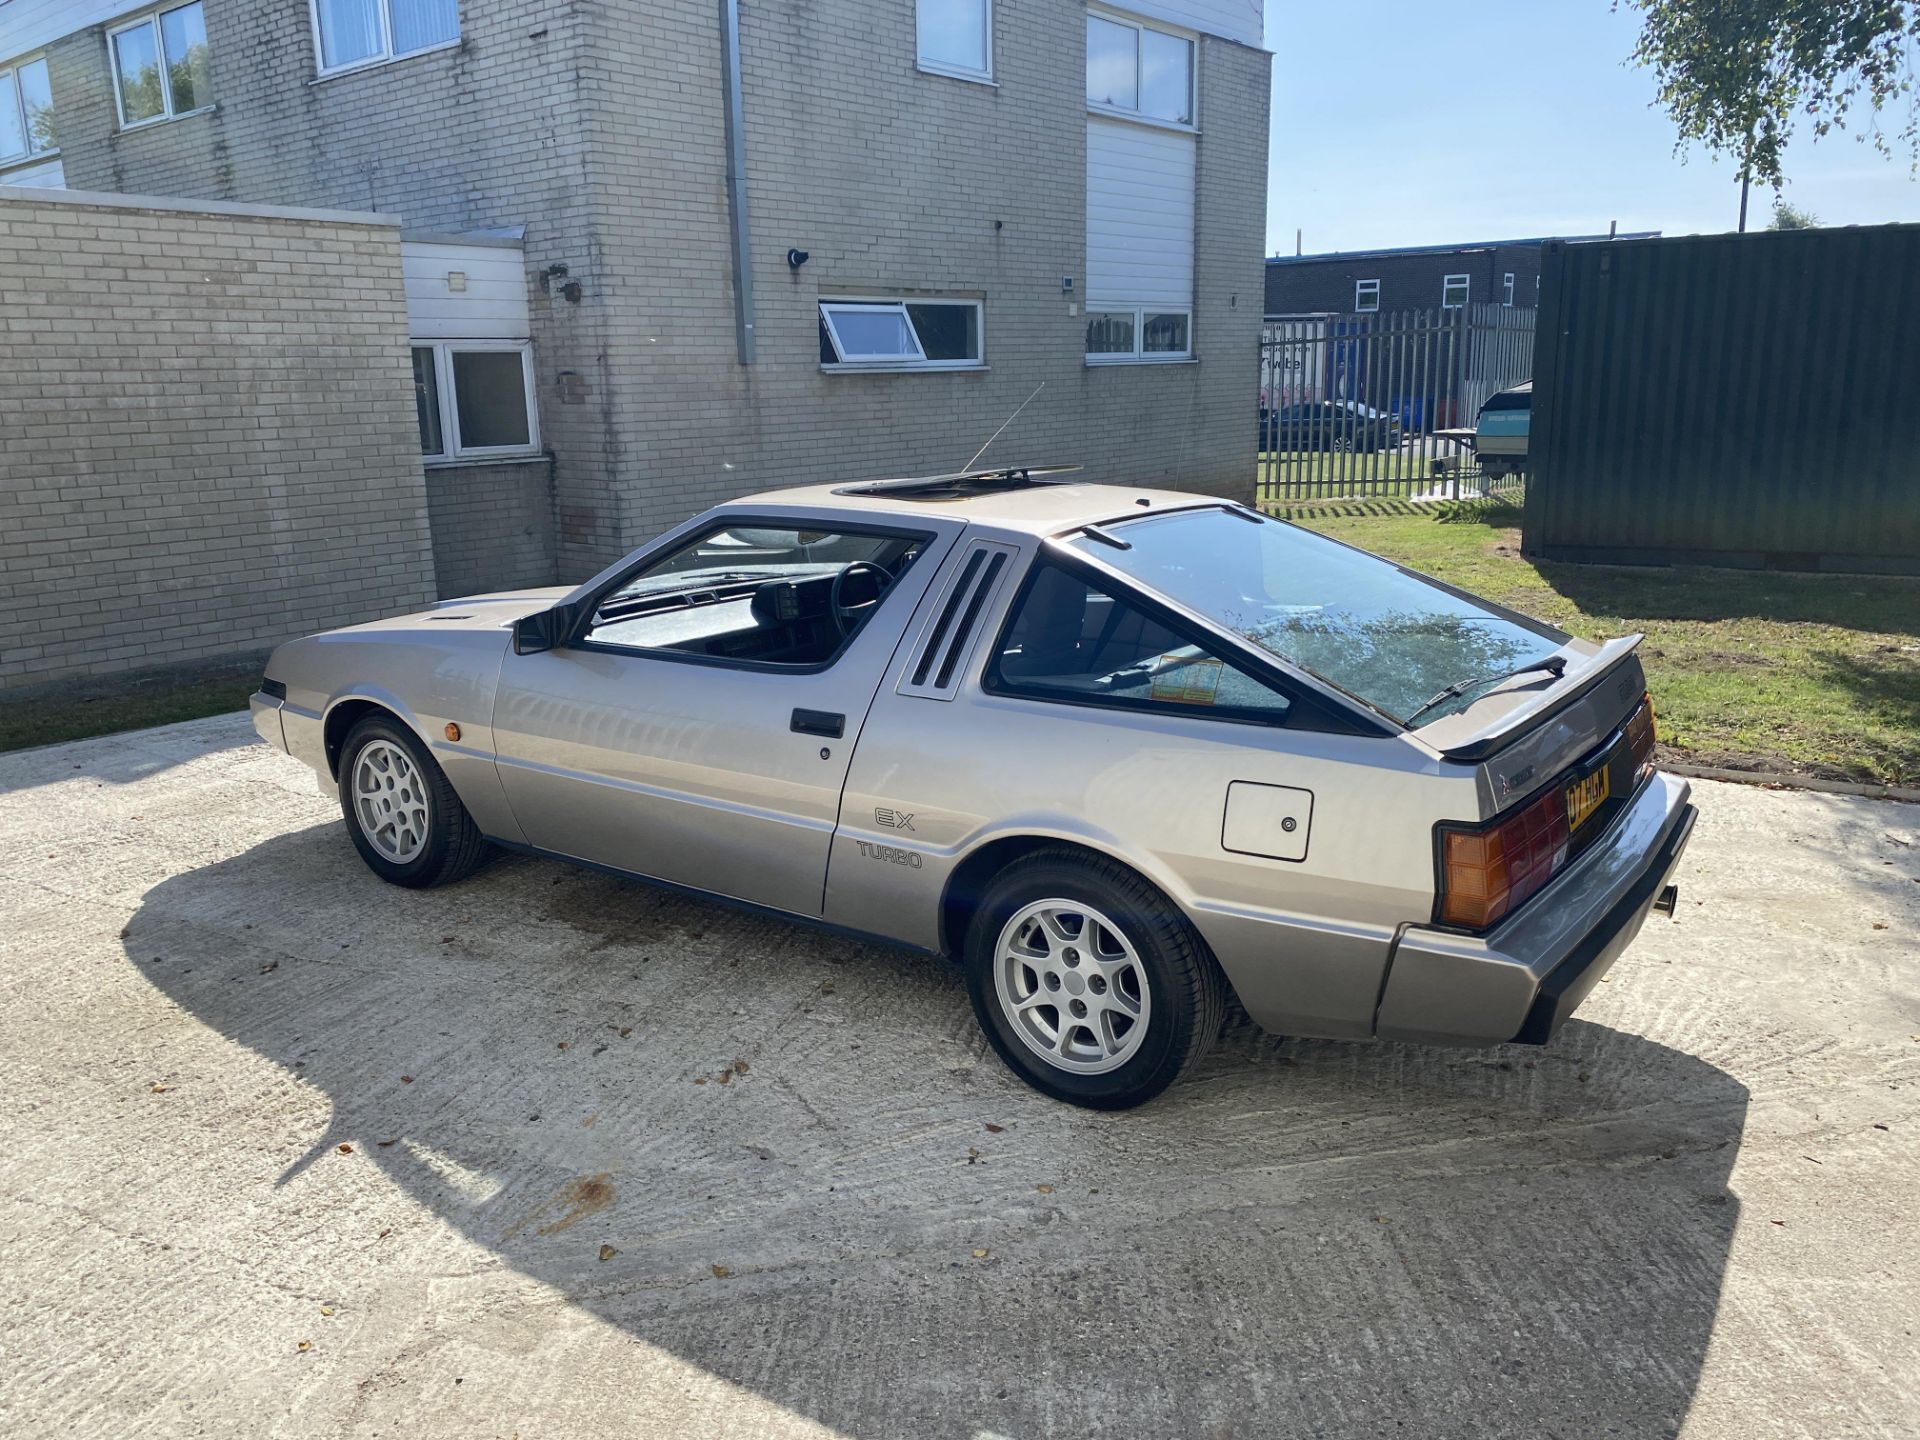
[1071, 986]
[390, 801]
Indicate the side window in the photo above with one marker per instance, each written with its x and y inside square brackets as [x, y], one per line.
[1069, 640]
[956, 37]
[774, 595]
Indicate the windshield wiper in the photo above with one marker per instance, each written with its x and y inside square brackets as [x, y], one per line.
[1554, 664]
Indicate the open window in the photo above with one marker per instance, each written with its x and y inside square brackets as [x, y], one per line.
[900, 334]
[750, 592]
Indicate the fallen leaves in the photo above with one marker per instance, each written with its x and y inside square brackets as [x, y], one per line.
[1044, 1189]
[721, 1272]
[406, 1079]
[303, 1347]
[980, 1253]
[344, 1148]
[607, 1252]
[158, 1089]
[993, 1129]
[740, 1067]
[326, 1310]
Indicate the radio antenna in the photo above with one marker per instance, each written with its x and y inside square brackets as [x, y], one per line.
[1003, 425]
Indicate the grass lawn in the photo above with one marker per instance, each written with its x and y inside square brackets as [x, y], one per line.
[1814, 674]
[49, 720]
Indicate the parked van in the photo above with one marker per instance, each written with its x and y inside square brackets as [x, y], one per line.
[1500, 432]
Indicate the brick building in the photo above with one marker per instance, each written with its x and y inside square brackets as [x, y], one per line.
[941, 204]
[211, 458]
[1412, 277]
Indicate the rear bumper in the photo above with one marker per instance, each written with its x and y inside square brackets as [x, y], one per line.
[1522, 982]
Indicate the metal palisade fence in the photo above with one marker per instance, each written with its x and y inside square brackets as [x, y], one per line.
[1377, 405]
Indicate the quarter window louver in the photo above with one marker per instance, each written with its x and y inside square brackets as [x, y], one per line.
[950, 635]
[959, 643]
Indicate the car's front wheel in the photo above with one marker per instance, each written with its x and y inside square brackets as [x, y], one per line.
[402, 812]
[1090, 983]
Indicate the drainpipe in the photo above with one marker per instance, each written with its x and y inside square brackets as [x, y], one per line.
[737, 179]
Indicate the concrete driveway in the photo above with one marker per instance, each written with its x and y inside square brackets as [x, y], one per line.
[286, 1152]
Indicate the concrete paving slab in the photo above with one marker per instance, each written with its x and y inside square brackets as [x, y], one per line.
[284, 1151]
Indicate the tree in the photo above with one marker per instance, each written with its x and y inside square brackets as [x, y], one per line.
[1737, 76]
[1791, 217]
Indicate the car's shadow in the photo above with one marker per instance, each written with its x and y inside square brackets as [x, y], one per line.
[869, 1222]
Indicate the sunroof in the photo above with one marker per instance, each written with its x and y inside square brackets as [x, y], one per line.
[966, 482]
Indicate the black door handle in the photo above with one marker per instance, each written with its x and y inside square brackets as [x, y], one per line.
[819, 722]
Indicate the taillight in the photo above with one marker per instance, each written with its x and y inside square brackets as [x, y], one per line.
[1640, 739]
[1488, 870]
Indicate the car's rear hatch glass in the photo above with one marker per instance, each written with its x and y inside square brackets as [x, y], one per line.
[1384, 635]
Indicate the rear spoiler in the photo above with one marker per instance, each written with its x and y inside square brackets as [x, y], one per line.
[1491, 739]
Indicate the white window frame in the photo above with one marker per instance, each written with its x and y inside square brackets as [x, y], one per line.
[1508, 286]
[452, 451]
[1465, 283]
[1362, 291]
[1141, 355]
[918, 359]
[942, 67]
[10, 78]
[1192, 125]
[151, 21]
[386, 55]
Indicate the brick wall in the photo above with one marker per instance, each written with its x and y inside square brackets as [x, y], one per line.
[209, 441]
[492, 526]
[599, 127]
[489, 133]
[893, 180]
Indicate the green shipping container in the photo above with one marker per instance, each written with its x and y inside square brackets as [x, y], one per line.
[1742, 400]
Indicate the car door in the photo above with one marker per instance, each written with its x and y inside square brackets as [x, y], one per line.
[696, 726]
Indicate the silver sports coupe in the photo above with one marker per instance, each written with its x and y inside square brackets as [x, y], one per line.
[1121, 753]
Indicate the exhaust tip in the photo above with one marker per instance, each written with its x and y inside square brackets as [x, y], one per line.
[1667, 899]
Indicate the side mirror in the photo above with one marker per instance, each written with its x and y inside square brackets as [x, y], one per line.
[542, 631]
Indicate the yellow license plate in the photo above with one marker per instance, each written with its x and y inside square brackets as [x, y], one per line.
[1586, 796]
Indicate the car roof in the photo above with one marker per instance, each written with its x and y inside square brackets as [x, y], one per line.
[1033, 509]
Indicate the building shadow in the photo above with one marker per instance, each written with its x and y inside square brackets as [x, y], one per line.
[789, 1160]
[125, 757]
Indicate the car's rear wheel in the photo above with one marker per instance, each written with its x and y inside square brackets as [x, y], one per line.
[1090, 983]
[402, 812]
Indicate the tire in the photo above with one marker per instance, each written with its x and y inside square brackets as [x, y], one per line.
[430, 839]
[1151, 993]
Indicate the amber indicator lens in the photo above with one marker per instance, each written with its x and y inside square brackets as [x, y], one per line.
[453, 731]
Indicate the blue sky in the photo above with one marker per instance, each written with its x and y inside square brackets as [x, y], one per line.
[1411, 122]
